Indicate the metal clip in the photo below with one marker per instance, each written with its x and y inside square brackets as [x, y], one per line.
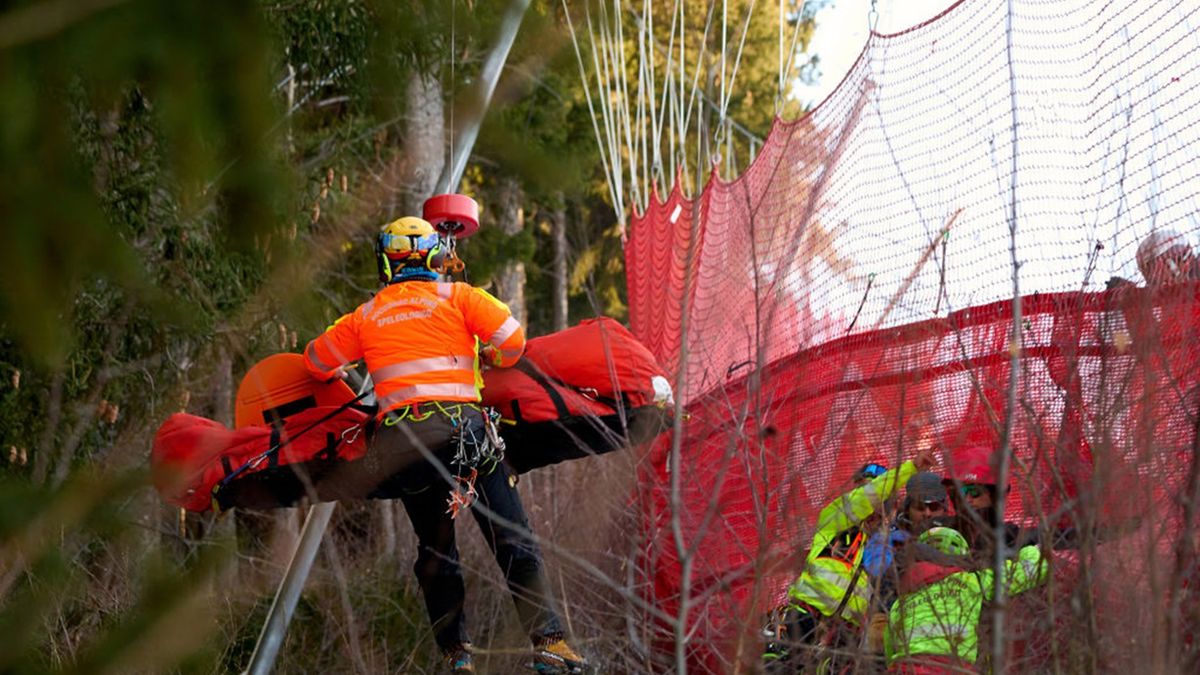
[491, 426]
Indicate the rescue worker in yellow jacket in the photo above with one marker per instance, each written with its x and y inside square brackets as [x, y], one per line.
[933, 626]
[420, 340]
[833, 591]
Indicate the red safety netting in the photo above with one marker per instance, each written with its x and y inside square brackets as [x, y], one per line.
[849, 297]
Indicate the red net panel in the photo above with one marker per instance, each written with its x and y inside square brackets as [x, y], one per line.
[849, 297]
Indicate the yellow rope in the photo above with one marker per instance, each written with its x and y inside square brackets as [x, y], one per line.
[406, 414]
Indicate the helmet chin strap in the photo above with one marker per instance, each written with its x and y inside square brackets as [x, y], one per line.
[414, 274]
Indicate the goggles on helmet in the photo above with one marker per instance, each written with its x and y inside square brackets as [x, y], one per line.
[973, 490]
[870, 471]
[408, 244]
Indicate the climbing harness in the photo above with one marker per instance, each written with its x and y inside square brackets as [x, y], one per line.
[475, 449]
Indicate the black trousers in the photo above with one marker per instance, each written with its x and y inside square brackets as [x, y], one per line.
[808, 642]
[424, 491]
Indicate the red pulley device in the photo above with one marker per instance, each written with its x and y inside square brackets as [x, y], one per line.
[452, 214]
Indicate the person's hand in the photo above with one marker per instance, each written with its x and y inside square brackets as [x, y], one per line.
[925, 459]
[876, 627]
[488, 355]
[342, 372]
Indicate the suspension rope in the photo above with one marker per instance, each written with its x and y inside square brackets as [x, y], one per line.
[678, 127]
[647, 117]
[600, 58]
[613, 70]
[645, 120]
[737, 62]
[630, 141]
[587, 90]
[779, 89]
[645, 132]
[659, 113]
[687, 121]
[791, 60]
[724, 49]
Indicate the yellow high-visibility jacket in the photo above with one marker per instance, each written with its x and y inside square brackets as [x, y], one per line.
[938, 611]
[826, 579]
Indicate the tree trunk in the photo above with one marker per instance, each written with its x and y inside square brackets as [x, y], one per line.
[253, 529]
[424, 152]
[416, 165]
[558, 229]
[421, 161]
[510, 279]
[223, 390]
[41, 457]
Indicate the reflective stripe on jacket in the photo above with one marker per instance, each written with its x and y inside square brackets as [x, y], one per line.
[826, 579]
[941, 618]
[420, 341]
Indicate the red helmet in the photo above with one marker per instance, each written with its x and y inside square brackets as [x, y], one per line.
[971, 464]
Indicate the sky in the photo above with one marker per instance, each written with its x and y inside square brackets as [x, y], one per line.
[842, 32]
[1104, 155]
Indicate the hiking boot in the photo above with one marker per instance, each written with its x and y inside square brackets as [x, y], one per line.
[458, 659]
[557, 658]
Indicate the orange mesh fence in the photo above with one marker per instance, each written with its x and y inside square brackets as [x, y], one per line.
[1109, 390]
[849, 298]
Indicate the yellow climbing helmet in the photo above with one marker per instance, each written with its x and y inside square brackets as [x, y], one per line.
[946, 539]
[409, 248]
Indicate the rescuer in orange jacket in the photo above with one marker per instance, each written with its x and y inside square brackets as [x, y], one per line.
[422, 340]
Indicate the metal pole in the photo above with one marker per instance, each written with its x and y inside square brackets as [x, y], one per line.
[275, 628]
[484, 87]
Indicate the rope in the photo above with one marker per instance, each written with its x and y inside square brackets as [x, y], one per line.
[266, 454]
[791, 60]
[587, 90]
[623, 99]
[737, 62]
[779, 88]
[657, 113]
[645, 134]
[422, 411]
[610, 125]
[687, 121]
[679, 98]
[724, 49]
[670, 108]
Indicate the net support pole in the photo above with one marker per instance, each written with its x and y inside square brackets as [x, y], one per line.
[288, 595]
[280, 614]
[485, 86]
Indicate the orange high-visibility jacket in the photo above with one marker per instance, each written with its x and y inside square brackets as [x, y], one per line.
[420, 341]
